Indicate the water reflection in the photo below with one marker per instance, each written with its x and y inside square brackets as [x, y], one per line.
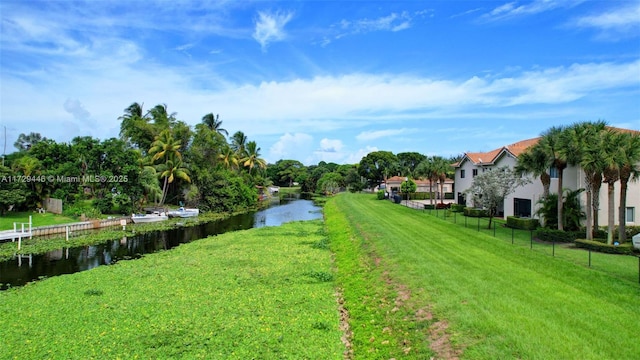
[23, 269]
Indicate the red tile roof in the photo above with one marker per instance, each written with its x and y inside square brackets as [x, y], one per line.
[515, 149]
[489, 157]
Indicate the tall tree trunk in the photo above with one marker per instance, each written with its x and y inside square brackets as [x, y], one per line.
[611, 212]
[431, 192]
[589, 222]
[624, 181]
[441, 192]
[597, 184]
[164, 190]
[545, 179]
[560, 204]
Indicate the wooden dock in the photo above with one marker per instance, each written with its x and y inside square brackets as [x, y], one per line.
[20, 231]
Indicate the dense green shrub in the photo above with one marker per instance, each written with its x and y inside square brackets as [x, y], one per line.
[546, 234]
[598, 246]
[522, 223]
[104, 205]
[457, 208]
[79, 208]
[380, 194]
[473, 212]
[602, 232]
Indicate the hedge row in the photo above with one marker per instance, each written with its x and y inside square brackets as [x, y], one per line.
[522, 223]
[551, 235]
[625, 249]
[472, 212]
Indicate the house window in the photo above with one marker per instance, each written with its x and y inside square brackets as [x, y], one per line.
[630, 214]
[553, 173]
[462, 174]
[475, 172]
[522, 207]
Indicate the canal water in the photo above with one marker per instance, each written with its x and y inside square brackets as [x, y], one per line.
[27, 268]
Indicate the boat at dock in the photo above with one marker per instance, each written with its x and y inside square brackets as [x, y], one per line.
[147, 218]
[183, 212]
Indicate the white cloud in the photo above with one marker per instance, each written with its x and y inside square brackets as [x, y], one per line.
[355, 157]
[75, 108]
[618, 21]
[377, 134]
[391, 22]
[331, 146]
[513, 9]
[290, 146]
[270, 27]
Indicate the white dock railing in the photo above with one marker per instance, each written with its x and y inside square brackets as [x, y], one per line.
[19, 231]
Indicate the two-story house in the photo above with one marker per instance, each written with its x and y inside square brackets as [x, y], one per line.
[524, 201]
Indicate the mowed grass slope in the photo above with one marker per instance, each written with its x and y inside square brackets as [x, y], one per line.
[258, 294]
[497, 301]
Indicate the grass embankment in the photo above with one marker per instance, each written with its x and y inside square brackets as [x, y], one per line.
[622, 266]
[473, 295]
[37, 219]
[262, 293]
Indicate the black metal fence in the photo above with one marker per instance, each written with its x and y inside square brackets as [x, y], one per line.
[625, 267]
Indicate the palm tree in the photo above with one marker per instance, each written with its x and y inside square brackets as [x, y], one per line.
[612, 160]
[166, 148]
[161, 117]
[443, 168]
[239, 143]
[551, 144]
[214, 124]
[252, 157]
[433, 168]
[629, 147]
[587, 140]
[135, 127]
[169, 171]
[533, 161]
[228, 158]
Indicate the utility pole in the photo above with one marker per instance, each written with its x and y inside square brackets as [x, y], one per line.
[4, 151]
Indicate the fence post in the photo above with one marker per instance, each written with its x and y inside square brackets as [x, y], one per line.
[494, 229]
[531, 238]
[478, 223]
[512, 236]
[589, 257]
[67, 232]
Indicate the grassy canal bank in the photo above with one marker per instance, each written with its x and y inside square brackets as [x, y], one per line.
[374, 281]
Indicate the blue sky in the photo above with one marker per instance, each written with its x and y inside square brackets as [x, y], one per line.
[323, 80]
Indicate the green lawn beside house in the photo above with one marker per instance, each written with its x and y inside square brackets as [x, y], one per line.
[470, 295]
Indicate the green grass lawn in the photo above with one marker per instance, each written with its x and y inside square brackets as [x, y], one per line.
[262, 293]
[481, 295]
[410, 286]
[7, 220]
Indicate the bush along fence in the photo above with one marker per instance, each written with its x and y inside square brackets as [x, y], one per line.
[621, 261]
